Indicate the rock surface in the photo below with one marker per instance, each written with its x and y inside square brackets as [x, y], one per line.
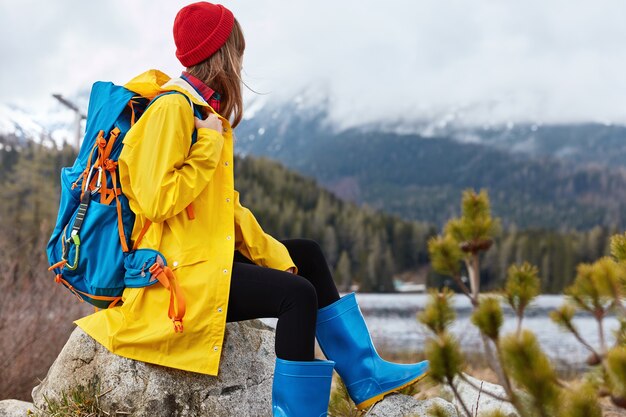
[399, 405]
[242, 388]
[470, 396]
[14, 408]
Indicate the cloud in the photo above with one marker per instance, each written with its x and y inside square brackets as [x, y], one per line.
[487, 60]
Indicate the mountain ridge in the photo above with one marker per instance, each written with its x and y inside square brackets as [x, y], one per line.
[420, 177]
[555, 176]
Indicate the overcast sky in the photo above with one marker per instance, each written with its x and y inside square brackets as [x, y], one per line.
[496, 60]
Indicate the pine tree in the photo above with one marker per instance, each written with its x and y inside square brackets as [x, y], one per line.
[329, 244]
[343, 273]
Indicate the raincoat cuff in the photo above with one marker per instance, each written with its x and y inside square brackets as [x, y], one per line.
[205, 132]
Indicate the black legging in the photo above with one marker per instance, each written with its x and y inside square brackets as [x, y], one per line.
[256, 292]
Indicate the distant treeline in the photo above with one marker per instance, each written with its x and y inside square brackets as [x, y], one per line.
[371, 246]
[363, 246]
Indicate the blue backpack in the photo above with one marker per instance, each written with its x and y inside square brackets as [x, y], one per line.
[90, 249]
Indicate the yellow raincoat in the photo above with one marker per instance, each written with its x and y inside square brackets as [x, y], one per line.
[161, 173]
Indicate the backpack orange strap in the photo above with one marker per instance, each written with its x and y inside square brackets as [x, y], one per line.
[133, 117]
[59, 264]
[190, 212]
[110, 166]
[144, 229]
[100, 142]
[104, 150]
[114, 300]
[111, 194]
[177, 307]
[112, 138]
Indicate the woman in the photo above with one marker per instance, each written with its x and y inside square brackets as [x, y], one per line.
[224, 264]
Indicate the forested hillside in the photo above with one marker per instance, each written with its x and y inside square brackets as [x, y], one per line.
[364, 247]
[416, 178]
[421, 178]
[289, 205]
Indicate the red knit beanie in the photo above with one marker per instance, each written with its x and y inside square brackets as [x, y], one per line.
[200, 29]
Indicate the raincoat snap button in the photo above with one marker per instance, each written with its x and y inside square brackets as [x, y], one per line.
[225, 271]
[228, 200]
[219, 309]
[175, 263]
[215, 348]
[226, 163]
[228, 237]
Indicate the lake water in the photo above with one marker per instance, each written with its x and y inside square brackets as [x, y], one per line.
[391, 319]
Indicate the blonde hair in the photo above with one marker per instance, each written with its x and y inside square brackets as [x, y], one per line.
[222, 72]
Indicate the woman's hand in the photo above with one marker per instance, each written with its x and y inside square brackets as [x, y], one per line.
[291, 270]
[211, 122]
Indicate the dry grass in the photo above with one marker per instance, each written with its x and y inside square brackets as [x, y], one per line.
[36, 314]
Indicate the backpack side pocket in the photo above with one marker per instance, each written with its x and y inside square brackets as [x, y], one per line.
[69, 201]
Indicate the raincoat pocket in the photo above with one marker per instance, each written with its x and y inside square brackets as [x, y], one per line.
[190, 257]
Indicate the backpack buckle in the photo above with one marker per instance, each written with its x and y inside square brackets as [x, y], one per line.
[178, 325]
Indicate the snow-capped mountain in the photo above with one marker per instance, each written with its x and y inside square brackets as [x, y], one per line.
[50, 123]
[17, 126]
[282, 130]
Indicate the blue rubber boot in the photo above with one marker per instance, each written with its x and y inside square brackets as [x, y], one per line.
[343, 337]
[301, 388]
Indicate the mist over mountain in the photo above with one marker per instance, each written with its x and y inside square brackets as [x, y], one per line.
[581, 144]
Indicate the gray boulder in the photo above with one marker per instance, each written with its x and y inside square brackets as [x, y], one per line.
[242, 388]
[14, 408]
[473, 398]
[399, 405]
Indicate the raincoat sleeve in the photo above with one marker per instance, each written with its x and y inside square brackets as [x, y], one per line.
[164, 171]
[255, 244]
